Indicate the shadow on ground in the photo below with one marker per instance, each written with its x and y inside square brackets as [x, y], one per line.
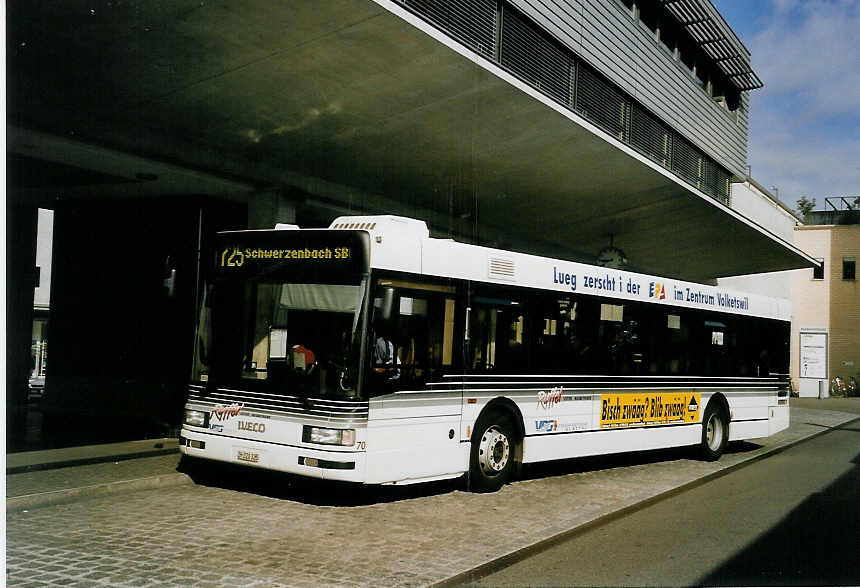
[332, 493]
[817, 544]
[312, 491]
[564, 467]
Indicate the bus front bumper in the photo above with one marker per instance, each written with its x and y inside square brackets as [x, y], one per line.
[347, 466]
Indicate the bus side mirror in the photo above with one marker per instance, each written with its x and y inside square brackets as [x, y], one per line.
[169, 282]
[389, 309]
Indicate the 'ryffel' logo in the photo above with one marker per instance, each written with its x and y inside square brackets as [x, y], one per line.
[223, 413]
[657, 291]
[549, 399]
[546, 426]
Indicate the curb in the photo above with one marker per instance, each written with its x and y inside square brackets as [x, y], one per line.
[52, 465]
[18, 503]
[500, 563]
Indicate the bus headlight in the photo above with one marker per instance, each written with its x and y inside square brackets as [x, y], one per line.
[195, 418]
[326, 436]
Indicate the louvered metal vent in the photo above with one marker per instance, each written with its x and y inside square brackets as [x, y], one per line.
[709, 177]
[472, 22]
[724, 180]
[534, 57]
[650, 137]
[715, 181]
[729, 57]
[686, 161]
[600, 103]
[501, 268]
[364, 226]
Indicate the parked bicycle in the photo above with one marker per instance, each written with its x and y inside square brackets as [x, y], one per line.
[839, 386]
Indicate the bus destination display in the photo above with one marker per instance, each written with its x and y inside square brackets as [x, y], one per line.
[325, 256]
[236, 257]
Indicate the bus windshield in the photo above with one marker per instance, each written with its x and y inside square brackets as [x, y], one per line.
[282, 338]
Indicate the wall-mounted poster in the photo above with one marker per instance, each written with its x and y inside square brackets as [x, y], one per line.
[813, 355]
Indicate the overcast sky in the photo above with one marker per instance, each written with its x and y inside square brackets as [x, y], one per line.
[805, 123]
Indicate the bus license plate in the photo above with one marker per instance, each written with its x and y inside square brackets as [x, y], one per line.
[247, 455]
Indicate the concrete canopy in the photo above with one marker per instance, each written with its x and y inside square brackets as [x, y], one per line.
[361, 106]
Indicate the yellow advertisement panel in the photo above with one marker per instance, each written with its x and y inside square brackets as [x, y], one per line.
[649, 408]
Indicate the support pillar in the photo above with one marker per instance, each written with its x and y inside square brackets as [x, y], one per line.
[265, 209]
[21, 231]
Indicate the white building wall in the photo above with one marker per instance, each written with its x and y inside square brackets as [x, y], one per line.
[44, 247]
[758, 205]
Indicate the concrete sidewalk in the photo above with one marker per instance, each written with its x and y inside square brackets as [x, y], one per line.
[54, 476]
[27, 461]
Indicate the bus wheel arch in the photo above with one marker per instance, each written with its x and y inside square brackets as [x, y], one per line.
[496, 446]
[715, 428]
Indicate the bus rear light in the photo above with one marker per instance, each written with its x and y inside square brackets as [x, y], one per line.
[326, 436]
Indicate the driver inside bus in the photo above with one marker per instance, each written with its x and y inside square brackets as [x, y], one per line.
[385, 358]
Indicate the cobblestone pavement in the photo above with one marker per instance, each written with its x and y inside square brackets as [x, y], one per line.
[255, 529]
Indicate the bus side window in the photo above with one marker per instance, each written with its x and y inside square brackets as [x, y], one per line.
[425, 345]
[497, 335]
[555, 339]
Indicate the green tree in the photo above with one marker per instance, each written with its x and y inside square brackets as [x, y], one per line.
[805, 206]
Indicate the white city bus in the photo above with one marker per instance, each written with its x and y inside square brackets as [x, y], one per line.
[370, 352]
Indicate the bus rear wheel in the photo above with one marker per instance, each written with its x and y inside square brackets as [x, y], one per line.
[493, 449]
[715, 433]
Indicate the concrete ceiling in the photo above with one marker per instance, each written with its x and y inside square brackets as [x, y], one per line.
[350, 103]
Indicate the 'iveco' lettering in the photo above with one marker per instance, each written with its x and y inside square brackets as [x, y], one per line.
[253, 427]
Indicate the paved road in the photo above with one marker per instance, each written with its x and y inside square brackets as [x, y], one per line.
[791, 519]
[247, 528]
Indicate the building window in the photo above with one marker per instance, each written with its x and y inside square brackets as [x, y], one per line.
[849, 268]
[818, 271]
[629, 5]
[649, 16]
[683, 48]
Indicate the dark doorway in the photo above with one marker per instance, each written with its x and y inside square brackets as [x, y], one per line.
[123, 298]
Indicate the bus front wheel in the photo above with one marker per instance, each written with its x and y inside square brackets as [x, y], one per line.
[493, 453]
[715, 433]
